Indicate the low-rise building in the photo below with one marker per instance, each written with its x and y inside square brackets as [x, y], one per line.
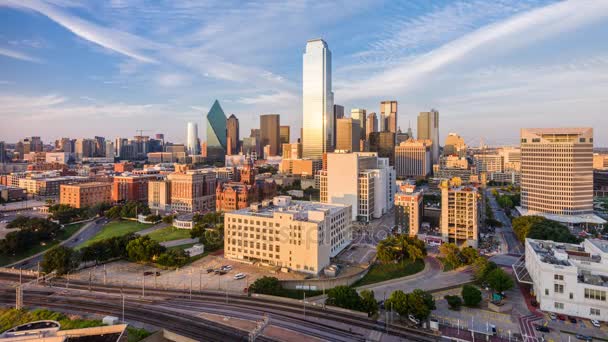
[12, 194]
[294, 235]
[48, 186]
[131, 187]
[302, 167]
[85, 194]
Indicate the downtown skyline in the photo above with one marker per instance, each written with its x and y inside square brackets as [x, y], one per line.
[489, 68]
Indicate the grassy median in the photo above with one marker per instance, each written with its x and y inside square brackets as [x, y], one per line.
[382, 272]
[116, 228]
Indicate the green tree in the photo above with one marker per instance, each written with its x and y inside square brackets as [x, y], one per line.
[144, 249]
[451, 254]
[499, 280]
[168, 219]
[471, 295]
[397, 302]
[266, 285]
[455, 302]
[387, 251]
[173, 258]
[469, 255]
[481, 268]
[420, 304]
[114, 212]
[523, 224]
[153, 218]
[368, 302]
[60, 259]
[344, 297]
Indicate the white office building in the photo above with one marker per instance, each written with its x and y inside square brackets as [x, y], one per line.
[569, 279]
[192, 144]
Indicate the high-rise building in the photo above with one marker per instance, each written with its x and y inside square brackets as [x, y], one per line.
[251, 146]
[297, 235]
[384, 144]
[318, 100]
[557, 174]
[454, 146]
[338, 114]
[428, 129]
[85, 148]
[3, 155]
[216, 133]
[408, 208]
[371, 125]
[347, 134]
[388, 113]
[66, 145]
[100, 147]
[159, 195]
[292, 151]
[36, 144]
[270, 133]
[110, 151]
[360, 115]
[285, 135]
[459, 213]
[413, 159]
[192, 139]
[232, 135]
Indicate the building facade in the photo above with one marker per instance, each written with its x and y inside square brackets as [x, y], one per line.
[192, 191]
[428, 129]
[408, 209]
[388, 115]
[347, 134]
[131, 187]
[216, 133]
[459, 213]
[159, 195]
[383, 143]
[270, 133]
[413, 159]
[85, 195]
[232, 136]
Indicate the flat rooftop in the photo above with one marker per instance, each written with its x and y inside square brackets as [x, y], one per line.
[568, 219]
[299, 209]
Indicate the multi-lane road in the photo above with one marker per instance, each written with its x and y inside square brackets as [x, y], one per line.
[506, 231]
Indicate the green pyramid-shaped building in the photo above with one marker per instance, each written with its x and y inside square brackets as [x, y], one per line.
[216, 133]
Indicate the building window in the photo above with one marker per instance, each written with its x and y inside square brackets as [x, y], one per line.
[558, 288]
[546, 292]
[595, 294]
[558, 277]
[559, 306]
[594, 312]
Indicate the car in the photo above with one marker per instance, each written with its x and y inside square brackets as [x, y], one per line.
[553, 316]
[239, 276]
[413, 319]
[561, 317]
[595, 323]
[226, 268]
[209, 270]
[584, 337]
[493, 327]
[542, 328]
[572, 319]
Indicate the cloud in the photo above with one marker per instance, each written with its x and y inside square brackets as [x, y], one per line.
[553, 19]
[278, 98]
[122, 42]
[18, 55]
[172, 80]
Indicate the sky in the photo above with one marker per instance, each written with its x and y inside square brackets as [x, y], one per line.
[110, 68]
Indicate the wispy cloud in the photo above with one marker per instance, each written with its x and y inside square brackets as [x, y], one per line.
[278, 98]
[172, 80]
[18, 55]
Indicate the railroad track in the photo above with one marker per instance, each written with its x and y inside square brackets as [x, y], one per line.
[260, 305]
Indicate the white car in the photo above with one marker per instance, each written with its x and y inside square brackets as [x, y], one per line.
[413, 319]
[595, 323]
[239, 276]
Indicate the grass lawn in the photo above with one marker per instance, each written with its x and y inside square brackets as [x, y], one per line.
[64, 234]
[169, 234]
[116, 228]
[381, 272]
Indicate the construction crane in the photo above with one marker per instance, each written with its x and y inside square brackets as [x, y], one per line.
[141, 131]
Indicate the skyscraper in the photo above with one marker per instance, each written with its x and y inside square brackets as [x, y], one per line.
[270, 133]
[318, 100]
[192, 139]
[388, 112]
[232, 135]
[428, 129]
[371, 125]
[347, 134]
[285, 134]
[216, 133]
[360, 115]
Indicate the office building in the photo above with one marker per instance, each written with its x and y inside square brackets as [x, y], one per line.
[285, 134]
[46, 186]
[318, 101]
[232, 136]
[383, 143]
[192, 142]
[159, 195]
[292, 151]
[557, 174]
[567, 279]
[338, 114]
[428, 129]
[301, 167]
[600, 161]
[388, 115]
[371, 125]
[85, 148]
[270, 133]
[511, 158]
[413, 159]
[347, 134]
[192, 191]
[85, 195]
[294, 235]
[360, 179]
[216, 133]
[488, 162]
[131, 187]
[3, 155]
[408, 208]
[360, 115]
[459, 213]
[454, 146]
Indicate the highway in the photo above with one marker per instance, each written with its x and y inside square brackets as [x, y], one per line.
[322, 323]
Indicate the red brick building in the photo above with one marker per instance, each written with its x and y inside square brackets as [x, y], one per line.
[123, 167]
[131, 187]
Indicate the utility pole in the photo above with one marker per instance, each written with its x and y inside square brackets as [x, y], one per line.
[304, 302]
[90, 279]
[200, 280]
[190, 284]
[123, 304]
[105, 274]
[143, 285]
[20, 272]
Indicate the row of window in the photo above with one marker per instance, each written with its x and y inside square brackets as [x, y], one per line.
[592, 311]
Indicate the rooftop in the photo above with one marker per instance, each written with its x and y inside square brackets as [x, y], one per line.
[283, 204]
[568, 219]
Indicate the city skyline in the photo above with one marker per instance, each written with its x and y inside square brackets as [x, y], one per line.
[92, 66]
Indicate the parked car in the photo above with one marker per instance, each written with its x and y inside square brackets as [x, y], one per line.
[561, 317]
[209, 270]
[226, 268]
[553, 316]
[542, 328]
[239, 276]
[584, 337]
[413, 319]
[572, 319]
[595, 323]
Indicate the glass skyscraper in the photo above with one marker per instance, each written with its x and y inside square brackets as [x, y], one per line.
[216, 133]
[318, 101]
[192, 143]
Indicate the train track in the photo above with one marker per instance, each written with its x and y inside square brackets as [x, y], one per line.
[237, 303]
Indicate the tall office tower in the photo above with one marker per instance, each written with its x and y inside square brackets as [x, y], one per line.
[388, 112]
[360, 115]
[454, 146]
[270, 133]
[318, 100]
[459, 213]
[285, 134]
[371, 124]
[85, 148]
[192, 139]
[109, 148]
[232, 135]
[384, 144]
[557, 174]
[100, 146]
[251, 146]
[216, 133]
[36, 144]
[338, 114]
[413, 159]
[347, 134]
[428, 129]
[3, 156]
[118, 144]
[66, 145]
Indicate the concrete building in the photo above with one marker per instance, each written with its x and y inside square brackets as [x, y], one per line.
[413, 159]
[192, 139]
[388, 116]
[488, 162]
[371, 125]
[159, 195]
[360, 115]
[302, 167]
[557, 174]
[408, 208]
[511, 158]
[292, 151]
[360, 180]
[85, 194]
[294, 235]
[567, 279]
[383, 143]
[232, 136]
[57, 157]
[12, 194]
[270, 133]
[41, 185]
[192, 191]
[600, 161]
[428, 129]
[284, 132]
[347, 134]
[454, 146]
[459, 213]
[317, 101]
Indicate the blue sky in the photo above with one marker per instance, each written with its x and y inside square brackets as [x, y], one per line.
[79, 69]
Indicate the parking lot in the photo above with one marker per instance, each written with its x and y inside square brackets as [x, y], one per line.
[357, 254]
[559, 330]
[124, 272]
